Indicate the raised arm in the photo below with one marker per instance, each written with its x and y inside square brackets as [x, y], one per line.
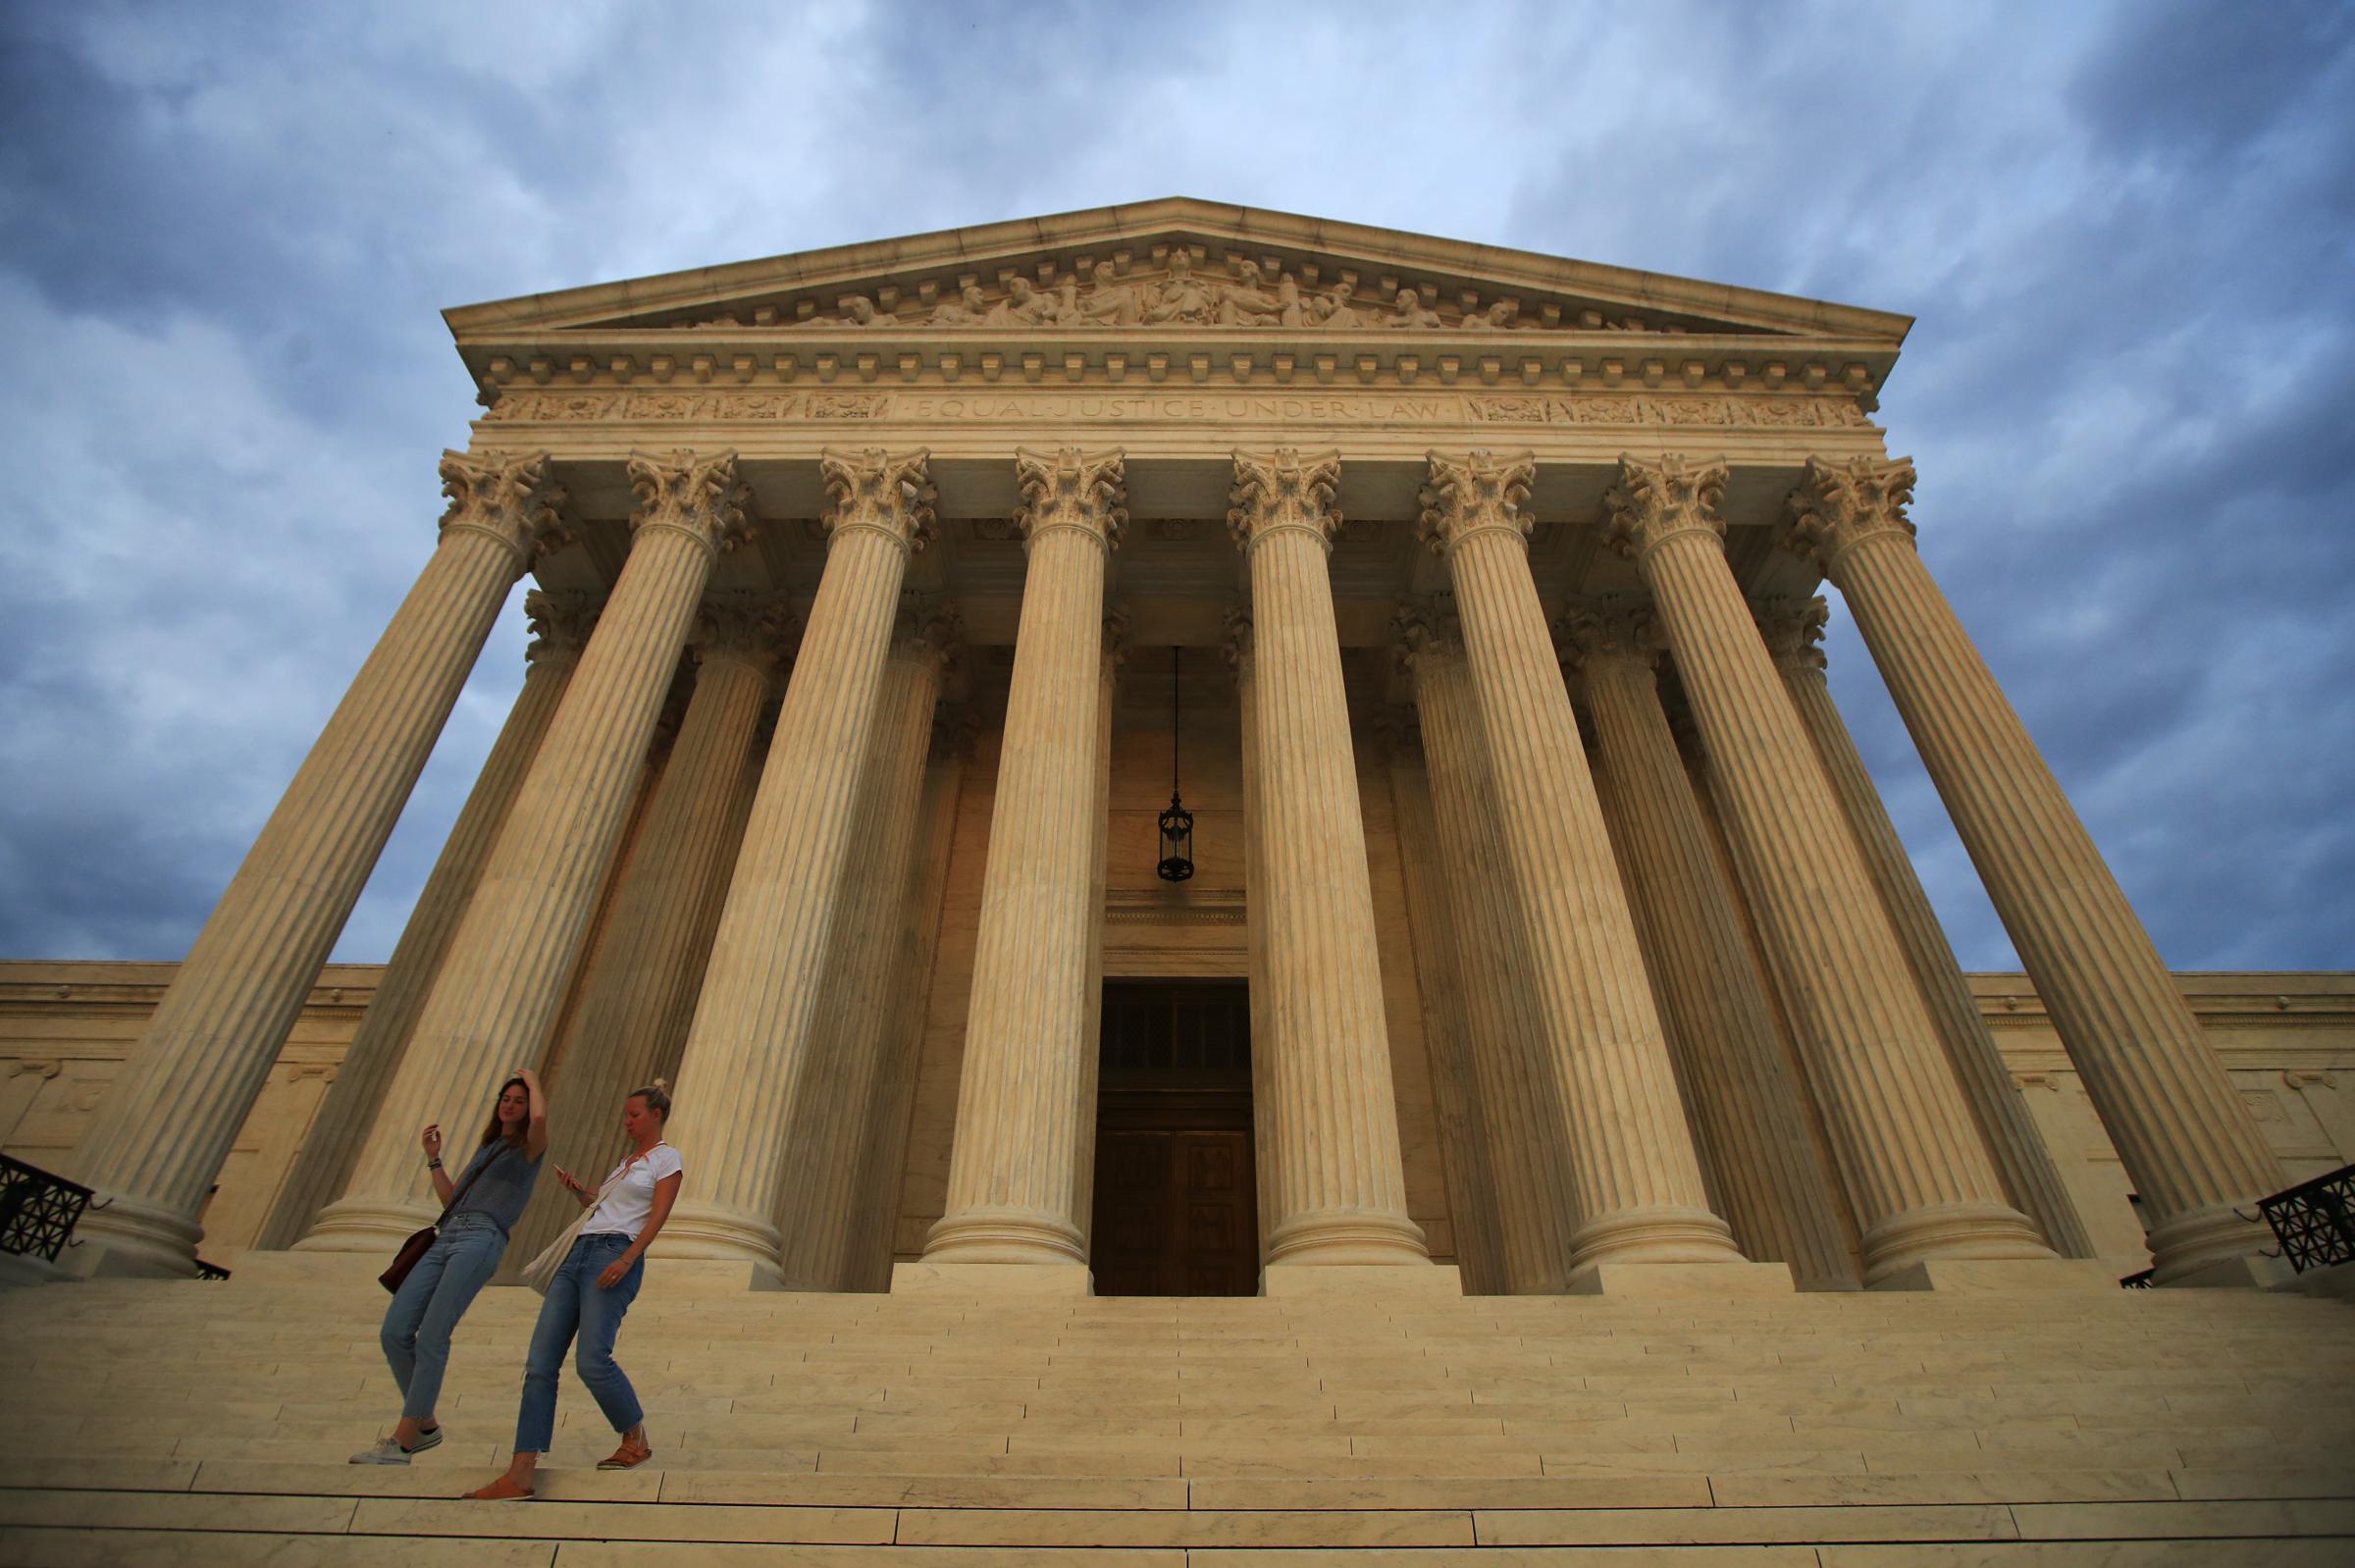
[535, 1135]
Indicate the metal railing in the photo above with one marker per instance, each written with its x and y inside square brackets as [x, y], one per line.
[37, 1210]
[2137, 1281]
[2315, 1220]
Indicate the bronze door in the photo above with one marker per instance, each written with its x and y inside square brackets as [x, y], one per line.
[1175, 1208]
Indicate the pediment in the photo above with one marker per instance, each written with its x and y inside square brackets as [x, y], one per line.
[1175, 266]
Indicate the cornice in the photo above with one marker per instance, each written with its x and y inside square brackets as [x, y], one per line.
[810, 282]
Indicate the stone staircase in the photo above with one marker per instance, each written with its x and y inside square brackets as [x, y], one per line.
[192, 1422]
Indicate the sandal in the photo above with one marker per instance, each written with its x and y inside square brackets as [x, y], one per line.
[501, 1491]
[629, 1456]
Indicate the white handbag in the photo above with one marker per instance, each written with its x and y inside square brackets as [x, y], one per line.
[541, 1272]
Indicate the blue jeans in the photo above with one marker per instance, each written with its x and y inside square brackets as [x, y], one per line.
[426, 1310]
[576, 1304]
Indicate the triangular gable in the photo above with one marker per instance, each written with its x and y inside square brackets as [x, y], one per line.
[1174, 264]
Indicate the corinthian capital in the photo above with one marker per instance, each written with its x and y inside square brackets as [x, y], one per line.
[1476, 494]
[1237, 646]
[507, 496]
[1425, 631]
[926, 626]
[1838, 506]
[1653, 503]
[1284, 490]
[888, 493]
[699, 496]
[1070, 489]
[748, 629]
[561, 622]
[1606, 631]
[1792, 627]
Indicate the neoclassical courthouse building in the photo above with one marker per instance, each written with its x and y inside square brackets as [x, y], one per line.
[1545, 933]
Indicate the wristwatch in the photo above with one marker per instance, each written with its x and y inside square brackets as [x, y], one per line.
[433, 1164]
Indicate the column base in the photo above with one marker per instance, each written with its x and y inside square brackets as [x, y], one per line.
[369, 1224]
[1654, 1235]
[1421, 1280]
[132, 1240]
[1951, 1233]
[256, 1267]
[2200, 1240]
[2003, 1276]
[924, 1277]
[668, 1276]
[1681, 1279]
[1327, 1238]
[705, 1233]
[1005, 1234]
[2235, 1273]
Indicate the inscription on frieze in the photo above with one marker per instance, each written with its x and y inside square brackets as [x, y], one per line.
[1632, 409]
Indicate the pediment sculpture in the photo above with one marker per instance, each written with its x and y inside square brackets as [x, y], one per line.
[1184, 294]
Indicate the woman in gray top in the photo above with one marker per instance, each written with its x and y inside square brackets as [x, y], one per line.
[426, 1310]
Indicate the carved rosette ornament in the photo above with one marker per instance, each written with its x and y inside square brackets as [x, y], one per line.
[1792, 627]
[1476, 494]
[1654, 502]
[1838, 506]
[507, 498]
[699, 496]
[884, 493]
[1283, 491]
[1086, 491]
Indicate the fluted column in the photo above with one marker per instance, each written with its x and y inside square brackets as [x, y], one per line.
[561, 622]
[1520, 1099]
[1439, 950]
[749, 1045]
[1268, 1137]
[838, 1101]
[169, 1120]
[1776, 1187]
[873, 1240]
[1636, 1179]
[1321, 1064]
[2187, 1139]
[639, 994]
[1113, 654]
[1015, 1193]
[1791, 627]
[495, 1000]
[1924, 1184]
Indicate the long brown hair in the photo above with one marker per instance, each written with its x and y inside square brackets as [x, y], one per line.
[493, 1132]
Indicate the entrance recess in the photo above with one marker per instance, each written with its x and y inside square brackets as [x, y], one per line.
[1175, 1208]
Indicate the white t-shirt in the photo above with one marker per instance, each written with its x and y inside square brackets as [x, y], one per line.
[626, 1207]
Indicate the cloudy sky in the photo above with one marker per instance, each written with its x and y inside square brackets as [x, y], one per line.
[226, 233]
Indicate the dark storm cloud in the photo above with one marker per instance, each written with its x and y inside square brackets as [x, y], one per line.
[2125, 230]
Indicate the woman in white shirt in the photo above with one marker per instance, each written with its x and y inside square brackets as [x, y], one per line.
[593, 1287]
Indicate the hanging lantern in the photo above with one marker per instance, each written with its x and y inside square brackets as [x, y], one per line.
[1177, 823]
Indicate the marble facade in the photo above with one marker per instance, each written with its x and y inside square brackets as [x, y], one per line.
[1581, 956]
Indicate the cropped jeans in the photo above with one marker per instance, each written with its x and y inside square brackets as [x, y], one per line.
[426, 1309]
[576, 1305]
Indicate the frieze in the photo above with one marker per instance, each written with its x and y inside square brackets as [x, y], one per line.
[1185, 289]
[1631, 409]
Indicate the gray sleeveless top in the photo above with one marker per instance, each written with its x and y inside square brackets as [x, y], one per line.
[505, 1184]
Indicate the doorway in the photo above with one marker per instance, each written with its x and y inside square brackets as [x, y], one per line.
[1177, 1208]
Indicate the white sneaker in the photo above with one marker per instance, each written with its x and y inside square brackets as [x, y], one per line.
[387, 1451]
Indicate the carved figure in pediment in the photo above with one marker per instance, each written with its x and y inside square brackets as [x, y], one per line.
[1112, 302]
[967, 309]
[1498, 317]
[1183, 299]
[1334, 309]
[859, 311]
[1067, 302]
[1412, 312]
[1291, 311]
[1022, 306]
[1245, 303]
